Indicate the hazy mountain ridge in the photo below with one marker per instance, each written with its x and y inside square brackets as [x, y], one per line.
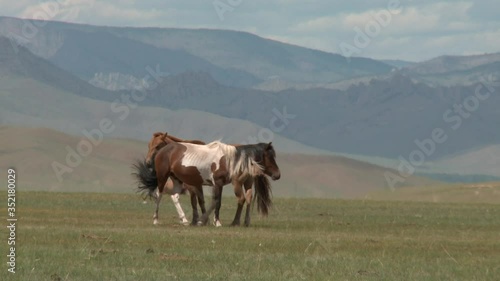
[245, 55]
[36, 93]
[233, 58]
[87, 53]
[262, 57]
[444, 64]
[356, 121]
[375, 115]
[84, 50]
[456, 70]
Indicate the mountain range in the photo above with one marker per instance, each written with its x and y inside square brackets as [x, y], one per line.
[219, 84]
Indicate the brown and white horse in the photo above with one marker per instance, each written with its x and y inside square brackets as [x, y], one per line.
[158, 141]
[215, 164]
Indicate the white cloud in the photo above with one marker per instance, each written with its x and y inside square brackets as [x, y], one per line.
[107, 10]
[317, 25]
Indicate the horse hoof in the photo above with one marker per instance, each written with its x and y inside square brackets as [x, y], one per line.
[217, 223]
[155, 222]
[184, 222]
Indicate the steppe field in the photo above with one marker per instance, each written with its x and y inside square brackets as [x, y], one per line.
[103, 236]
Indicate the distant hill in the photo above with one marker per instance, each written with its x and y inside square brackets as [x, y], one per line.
[22, 63]
[262, 57]
[456, 70]
[88, 53]
[484, 160]
[35, 93]
[470, 76]
[231, 57]
[445, 64]
[85, 52]
[399, 63]
[359, 120]
[107, 168]
[445, 71]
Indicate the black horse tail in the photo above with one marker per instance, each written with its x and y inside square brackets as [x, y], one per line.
[146, 177]
[263, 194]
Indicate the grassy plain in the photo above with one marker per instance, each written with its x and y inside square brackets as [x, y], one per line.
[102, 236]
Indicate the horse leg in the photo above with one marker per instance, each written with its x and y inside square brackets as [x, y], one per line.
[238, 192]
[216, 197]
[248, 196]
[175, 200]
[201, 199]
[162, 175]
[182, 215]
[193, 195]
[158, 199]
[217, 222]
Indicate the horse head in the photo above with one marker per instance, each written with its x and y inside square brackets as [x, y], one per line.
[156, 142]
[269, 162]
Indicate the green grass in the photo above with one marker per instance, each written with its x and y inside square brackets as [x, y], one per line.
[76, 236]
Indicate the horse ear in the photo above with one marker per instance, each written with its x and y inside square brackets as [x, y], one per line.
[164, 136]
[269, 145]
[157, 134]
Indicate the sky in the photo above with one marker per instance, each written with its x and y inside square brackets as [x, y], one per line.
[413, 30]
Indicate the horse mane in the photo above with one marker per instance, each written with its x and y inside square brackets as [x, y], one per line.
[176, 139]
[246, 160]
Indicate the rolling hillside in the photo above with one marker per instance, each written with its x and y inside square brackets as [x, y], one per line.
[456, 70]
[485, 159]
[107, 168]
[445, 64]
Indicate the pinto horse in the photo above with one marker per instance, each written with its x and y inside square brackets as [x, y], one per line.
[215, 164]
[157, 141]
[242, 186]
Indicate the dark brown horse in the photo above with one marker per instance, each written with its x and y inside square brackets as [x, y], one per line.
[215, 164]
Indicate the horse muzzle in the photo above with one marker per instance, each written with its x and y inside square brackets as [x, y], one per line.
[276, 176]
